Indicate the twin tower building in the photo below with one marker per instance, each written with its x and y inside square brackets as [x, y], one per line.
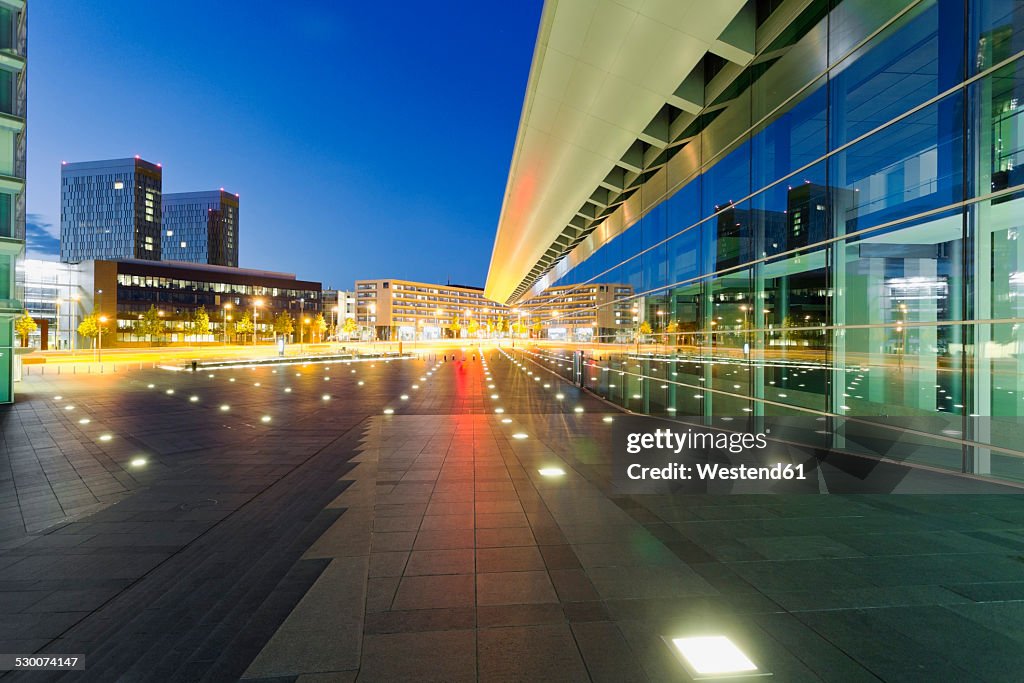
[116, 210]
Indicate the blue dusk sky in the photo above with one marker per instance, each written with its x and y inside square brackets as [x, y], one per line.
[366, 139]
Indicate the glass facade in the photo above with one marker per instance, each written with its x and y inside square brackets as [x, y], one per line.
[201, 227]
[13, 111]
[110, 210]
[844, 240]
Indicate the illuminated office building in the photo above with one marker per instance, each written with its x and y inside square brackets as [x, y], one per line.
[201, 227]
[817, 204]
[110, 210]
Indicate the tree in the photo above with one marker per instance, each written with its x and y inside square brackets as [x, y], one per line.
[519, 328]
[671, 331]
[284, 325]
[91, 327]
[473, 327]
[149, 324]
[319, 326]
[454, 326]
[499, 326]
[350, 327]
[245, 326]
[537, 328]
[24, 326]
[200, 322]
[490, 326]
[645, 328]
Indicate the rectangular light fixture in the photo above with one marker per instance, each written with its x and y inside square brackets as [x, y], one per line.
[713, 657]
[551, 471]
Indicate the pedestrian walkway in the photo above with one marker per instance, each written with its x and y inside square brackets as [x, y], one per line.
[391, 522]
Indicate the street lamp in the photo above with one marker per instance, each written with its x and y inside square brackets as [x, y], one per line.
[224, 321]
[99, 338]
[73, 332]
[305, 321]
[255, 304]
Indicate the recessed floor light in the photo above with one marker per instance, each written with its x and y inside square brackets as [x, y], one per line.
[137, 462]
[578, 409]
[84, 421]
[105, 437]
[607, 418]
[404, 397]
[57, 398]
[287, 390]
[551, 472]
[193, 398]
[69, 407]
[499, 410]
[712, 656]
[519, 435]
[169, 391]
[150, 386]
[326, 397]
[225, 407]
[506, 420]
[265, 418]
[360, 382]
[559, 396]
[389, 411]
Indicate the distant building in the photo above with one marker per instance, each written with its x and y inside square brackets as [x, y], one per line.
[125, 290]
[13, 113]
[405, 310]
[339, 305]
[110, 210]
[200, 227]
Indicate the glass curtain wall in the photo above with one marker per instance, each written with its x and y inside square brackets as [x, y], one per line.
[849, 245]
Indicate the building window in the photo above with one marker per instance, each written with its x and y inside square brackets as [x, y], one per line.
[118, 185]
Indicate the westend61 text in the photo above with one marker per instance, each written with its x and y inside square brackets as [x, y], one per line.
[709, 472]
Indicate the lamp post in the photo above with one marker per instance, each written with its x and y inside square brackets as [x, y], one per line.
[255, 304]
[225, 317]
[302, 325]
[99, 338]
[73, 331]
[334, 320]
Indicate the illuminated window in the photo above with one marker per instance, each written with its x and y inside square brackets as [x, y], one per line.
[170, 233]
[118, 185]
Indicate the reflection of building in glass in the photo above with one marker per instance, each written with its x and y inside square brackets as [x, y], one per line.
[595, 311]
[818, 215]
[201, 227]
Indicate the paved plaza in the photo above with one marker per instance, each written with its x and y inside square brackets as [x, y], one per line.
[386, 521]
